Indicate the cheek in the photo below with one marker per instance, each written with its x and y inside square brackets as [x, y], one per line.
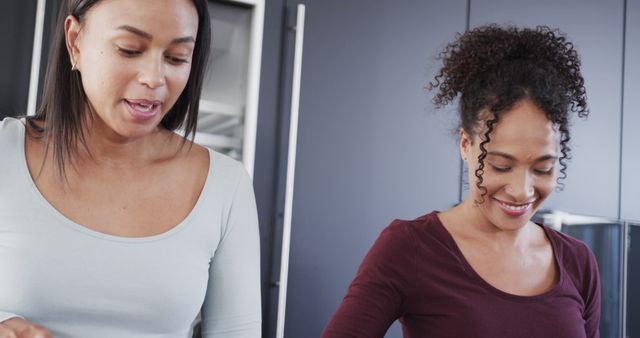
[103, 76]
[546, 185]
[492, 182]
[177, 81]
[178, 76]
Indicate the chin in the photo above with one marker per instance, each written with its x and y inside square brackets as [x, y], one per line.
[508, 219]
[510, 225]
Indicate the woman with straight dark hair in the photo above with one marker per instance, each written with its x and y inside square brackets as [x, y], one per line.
[482, 268]
[111, 224]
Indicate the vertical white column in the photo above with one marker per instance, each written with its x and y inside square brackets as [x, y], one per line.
[291, 166]
[35, 57]
[253, 88]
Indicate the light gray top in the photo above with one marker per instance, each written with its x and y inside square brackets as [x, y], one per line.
[78, 282]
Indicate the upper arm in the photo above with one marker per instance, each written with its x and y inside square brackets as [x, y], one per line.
[376, 296]
[232, 303]
[592, 297]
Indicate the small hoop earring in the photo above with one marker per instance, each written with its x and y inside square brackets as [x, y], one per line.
[73, 67]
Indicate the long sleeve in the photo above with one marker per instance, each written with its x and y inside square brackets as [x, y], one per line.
[592, 299]
[375, 297]
[8, 146]
[232, 306]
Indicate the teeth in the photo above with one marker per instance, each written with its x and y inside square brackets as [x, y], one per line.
[143, 107]
[514, 207]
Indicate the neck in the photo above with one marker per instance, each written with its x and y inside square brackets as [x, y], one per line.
[469, 221]
[107, 149]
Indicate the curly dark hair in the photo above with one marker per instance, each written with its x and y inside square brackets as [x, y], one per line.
[493, 67]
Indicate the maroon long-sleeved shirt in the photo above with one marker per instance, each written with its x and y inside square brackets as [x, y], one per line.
[416, 272]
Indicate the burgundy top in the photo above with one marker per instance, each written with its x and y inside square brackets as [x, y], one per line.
[416, 272]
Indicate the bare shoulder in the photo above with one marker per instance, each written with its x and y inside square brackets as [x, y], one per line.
[185, 165]
[188, 155]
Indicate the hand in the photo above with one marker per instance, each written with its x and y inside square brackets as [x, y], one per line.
[20, 328]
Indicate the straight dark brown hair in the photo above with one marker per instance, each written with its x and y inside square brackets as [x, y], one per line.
[64, 102]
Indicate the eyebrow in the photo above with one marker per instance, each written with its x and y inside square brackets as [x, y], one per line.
[147, 36]
[512, 158]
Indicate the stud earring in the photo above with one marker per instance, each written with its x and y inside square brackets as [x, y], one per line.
[73, 67]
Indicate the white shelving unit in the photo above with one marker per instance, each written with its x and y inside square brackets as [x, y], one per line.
[228, 114]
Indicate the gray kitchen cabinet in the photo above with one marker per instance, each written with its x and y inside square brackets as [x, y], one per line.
[633, 282]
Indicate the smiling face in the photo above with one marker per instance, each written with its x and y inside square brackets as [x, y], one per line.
[134, 58]
[520, 167]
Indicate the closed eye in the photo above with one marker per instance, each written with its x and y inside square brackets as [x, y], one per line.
[501, 169]
[176, 60]
[544, 171]
[128, 52]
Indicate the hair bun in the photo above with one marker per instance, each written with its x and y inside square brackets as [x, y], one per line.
[483, 50]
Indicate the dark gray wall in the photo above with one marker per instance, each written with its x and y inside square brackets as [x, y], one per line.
[370, 147]
[595, 27]
[630, 204]
[17, 20]
[267, 164]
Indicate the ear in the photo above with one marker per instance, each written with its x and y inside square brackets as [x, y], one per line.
[465, 145]
[71, 33]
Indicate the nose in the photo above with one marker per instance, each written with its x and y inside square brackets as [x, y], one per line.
[152, 72]
[520, 187]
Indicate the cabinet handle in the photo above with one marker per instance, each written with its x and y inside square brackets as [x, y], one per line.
[291, 167]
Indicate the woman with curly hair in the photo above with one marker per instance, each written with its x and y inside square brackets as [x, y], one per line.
[483, 268]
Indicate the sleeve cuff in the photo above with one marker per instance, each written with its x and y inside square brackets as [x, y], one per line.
[7, 315]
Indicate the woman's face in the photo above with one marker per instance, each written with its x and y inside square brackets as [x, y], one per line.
[134, 58]
[520, 167]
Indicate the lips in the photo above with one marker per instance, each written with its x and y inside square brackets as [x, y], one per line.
[514, 210]
[142, 109]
